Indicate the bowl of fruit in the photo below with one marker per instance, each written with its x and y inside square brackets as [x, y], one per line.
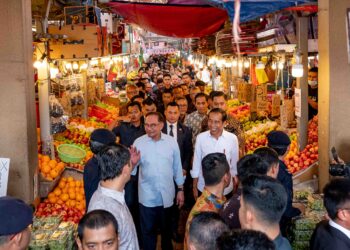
[70, 153]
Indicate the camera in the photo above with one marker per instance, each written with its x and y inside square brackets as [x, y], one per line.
[340, 170]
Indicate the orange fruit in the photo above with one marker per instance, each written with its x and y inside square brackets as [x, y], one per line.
[79, 206]
[59, 201]
[61, 184]
[72, 196]
[53, 199]
[45, 158]
[49, 178]
[45, 168]
[51, 195]
[40, 156]
[53, 173]
[72, 184]
[57, 192]
[52, 163]
[64, 197]
[77, 183]
[60, 166]
[70, 179]
[72, 203]
[64, 179]
[79, 197]
[71, 190]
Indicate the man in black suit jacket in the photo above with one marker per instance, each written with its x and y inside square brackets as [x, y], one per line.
[183, 136]
[335, 233]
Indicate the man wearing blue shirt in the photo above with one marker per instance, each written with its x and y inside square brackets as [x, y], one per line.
[160, 166]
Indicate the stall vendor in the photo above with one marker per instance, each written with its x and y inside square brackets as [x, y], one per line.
[312, 98]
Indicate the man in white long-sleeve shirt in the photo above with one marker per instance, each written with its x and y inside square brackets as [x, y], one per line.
[215, 140]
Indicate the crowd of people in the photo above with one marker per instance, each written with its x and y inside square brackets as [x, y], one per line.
[174, 165]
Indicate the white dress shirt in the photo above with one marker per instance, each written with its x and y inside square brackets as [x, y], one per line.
[227, 143]
[174, 129]
[340, 228]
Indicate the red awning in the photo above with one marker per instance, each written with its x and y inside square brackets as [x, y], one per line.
[173, 20]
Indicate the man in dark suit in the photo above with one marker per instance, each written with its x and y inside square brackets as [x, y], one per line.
[183, 136]
[335, 233]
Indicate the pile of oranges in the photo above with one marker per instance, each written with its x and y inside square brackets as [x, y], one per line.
[50, 169]
[69, 192]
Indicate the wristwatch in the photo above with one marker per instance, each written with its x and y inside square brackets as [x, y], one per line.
[180, 189]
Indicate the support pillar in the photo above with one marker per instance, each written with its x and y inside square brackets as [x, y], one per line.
[302, 35]
[17, 97]
[334, 84]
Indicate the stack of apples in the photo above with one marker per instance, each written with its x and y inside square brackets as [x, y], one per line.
[312, 131]
[257, 136]
[303, 159]
[50, 169]
[66, 200]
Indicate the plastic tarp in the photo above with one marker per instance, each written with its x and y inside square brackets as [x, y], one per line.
[173, 20]
[252, 9]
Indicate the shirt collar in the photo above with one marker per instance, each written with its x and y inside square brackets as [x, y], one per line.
[218, 202]
[340, 228]
[174, 124]
[224, 134]
[118, 196]
[161, 137]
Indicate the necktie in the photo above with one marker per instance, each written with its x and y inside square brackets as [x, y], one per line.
[171, 133]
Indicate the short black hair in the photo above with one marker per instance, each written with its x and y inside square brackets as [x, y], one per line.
[266, 196]
[216, 93]
[251, 164]
[336, 194]
[313, 69]
[218, 111]
[214, 167]
[181, 98]
[269, 155]
[200, 95]
[244, 240]
[204, 229]
[159, 80]
[148, 101]
[167, 91]
[172, 104]
[186, 74]
[111, 161]
[141, 84]
[177, 87]
[158, 114]
[96, 219]
[134, 103]
[166, 75]
[200, 83]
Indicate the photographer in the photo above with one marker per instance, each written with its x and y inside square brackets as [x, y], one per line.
[335, 233]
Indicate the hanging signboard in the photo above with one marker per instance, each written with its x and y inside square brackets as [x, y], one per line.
[297, 96]
[261, 98]
[244, 92]
[276, 100]
[284, 116]
[4, 175]
[160, 51]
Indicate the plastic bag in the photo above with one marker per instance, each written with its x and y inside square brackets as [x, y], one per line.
[56, 109]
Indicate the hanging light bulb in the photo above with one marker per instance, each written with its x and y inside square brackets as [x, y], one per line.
[297, 67]
[75, 66]
[37, 64]
[240, 64]
[68, 66]
[200, 65]
[53, 72]
[94, 62]
[246, 64]
[234, 62]
[228, 63]
[105, 59]
[260, 65]
[280, 65]
[274, 66]
[219, 63]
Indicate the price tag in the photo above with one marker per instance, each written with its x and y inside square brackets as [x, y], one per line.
[261, 98]
[4, 175]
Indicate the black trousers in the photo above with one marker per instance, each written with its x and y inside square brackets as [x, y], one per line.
[152, 219]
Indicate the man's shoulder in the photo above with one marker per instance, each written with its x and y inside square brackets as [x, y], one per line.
[282, 243]
[141, 139]
[202, 135]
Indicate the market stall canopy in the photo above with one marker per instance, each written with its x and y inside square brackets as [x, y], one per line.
[252, 9]
[177, 18]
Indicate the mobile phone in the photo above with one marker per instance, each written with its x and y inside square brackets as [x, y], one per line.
[335, 154]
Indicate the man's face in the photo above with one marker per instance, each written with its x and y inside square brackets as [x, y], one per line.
[183, 106]
[215, 124]
[144, 75]
[201, 105]
[172, 114]
[104, 238]
[194, 92]
[178, 92]
[131, 92]
[153, 127]
[167, 97]
[186, 79]
[148, 87]
[219, 102]
[175, 80]
[185, 89]
[148, 109]
[134, 114]
[167, 82]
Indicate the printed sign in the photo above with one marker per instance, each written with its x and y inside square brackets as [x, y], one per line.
[4, 175]
[261, 98]
[276, 100]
